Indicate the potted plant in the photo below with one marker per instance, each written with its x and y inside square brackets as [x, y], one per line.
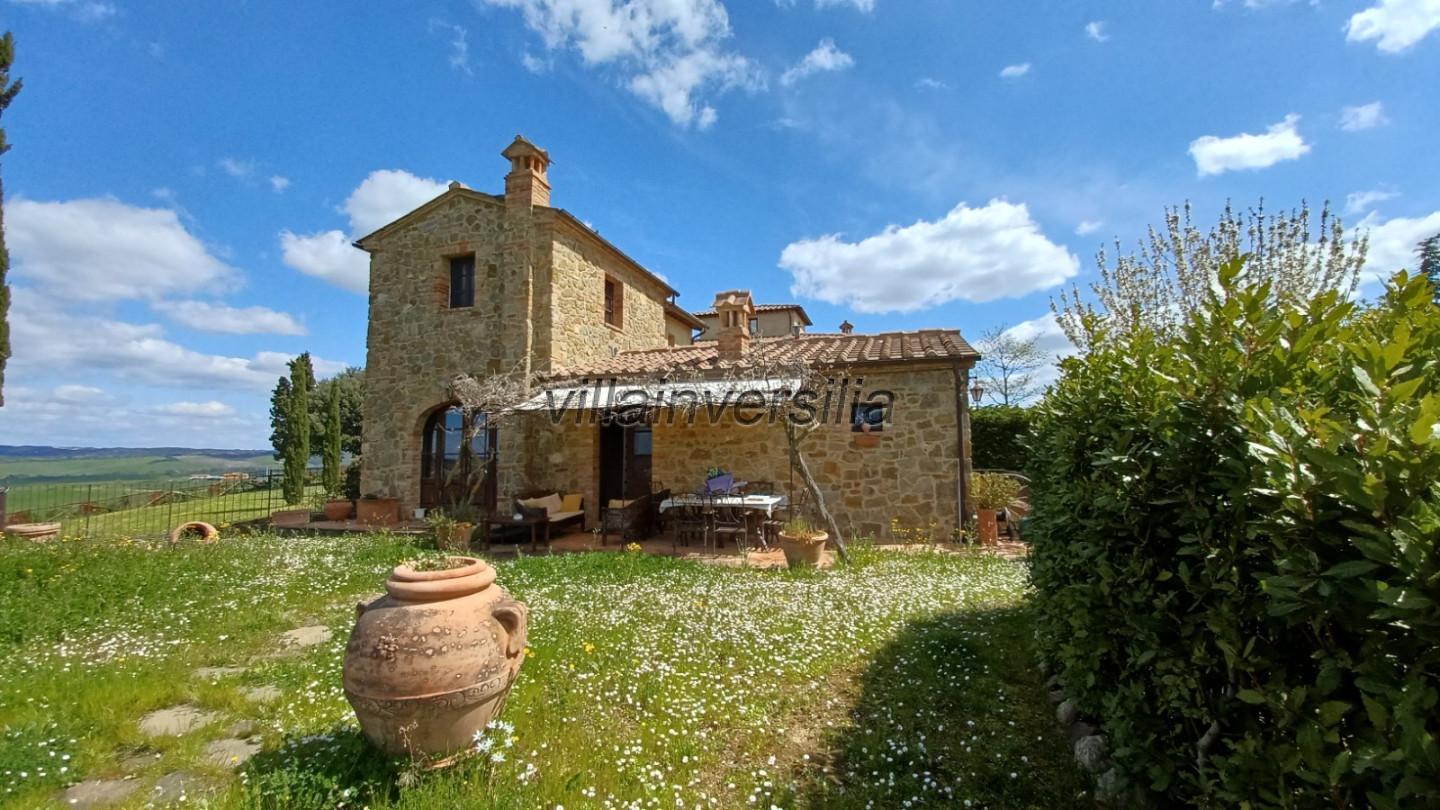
[453, 530]
[336, 506]
[377, 510]
[991, 492]
[803, 542]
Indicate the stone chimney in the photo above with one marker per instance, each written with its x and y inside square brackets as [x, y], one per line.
[846, 327]
[734, 309]
[528, 183]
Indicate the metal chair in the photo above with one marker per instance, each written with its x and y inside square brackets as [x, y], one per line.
[690, 523]
[730, 521]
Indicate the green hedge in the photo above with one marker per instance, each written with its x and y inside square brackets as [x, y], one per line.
[998, 437]
[1234, 550]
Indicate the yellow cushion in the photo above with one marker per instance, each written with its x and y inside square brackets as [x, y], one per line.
[572, 502]
[616, 503]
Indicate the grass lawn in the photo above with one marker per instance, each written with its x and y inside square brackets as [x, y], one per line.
[904, 680]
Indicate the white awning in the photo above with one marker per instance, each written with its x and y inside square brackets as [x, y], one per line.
[618, 394]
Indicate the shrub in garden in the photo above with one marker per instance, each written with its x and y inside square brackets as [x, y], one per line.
[1234, 538]
[998, 437]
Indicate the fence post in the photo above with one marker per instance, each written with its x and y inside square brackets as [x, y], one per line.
[89, 506]
[170, 509]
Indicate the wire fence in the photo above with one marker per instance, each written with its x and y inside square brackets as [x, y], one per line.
[150, 508]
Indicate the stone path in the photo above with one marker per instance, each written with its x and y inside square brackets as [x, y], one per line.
[232, 753]
[179, 786]
[98, 793]
[175, 721]
[216, 673]
[307, 636]
[261, 694]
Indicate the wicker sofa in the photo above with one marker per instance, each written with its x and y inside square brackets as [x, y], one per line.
[560, 510]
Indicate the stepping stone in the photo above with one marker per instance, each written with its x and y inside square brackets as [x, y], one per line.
[139, 762]
[216, 673]
[98, 792]
[307, 636]
[175, 721]
[179, 786]
[261, 694]
[231, 753]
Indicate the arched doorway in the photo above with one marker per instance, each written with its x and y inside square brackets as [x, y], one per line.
[447, 467]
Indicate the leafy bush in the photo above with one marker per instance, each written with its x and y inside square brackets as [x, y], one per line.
[993, 490]
[1234, 548]
[998, 437]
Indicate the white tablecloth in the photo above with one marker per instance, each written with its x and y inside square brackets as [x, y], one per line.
[759, 503]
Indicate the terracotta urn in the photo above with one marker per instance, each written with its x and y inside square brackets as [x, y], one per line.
[803, 552]
[378, 511]
[987, 527]
[338, 510]
[34, 532]
[431, 662]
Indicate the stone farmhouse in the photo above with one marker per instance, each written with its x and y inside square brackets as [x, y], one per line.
[475, 283]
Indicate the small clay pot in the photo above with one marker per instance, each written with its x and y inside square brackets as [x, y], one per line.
[432, 661]
[803, 553]
[34, 532]
[198, 529]
[338, 510]
[455, 537]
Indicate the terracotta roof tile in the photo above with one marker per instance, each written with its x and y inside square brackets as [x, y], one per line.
[710, 313]
[883, 347]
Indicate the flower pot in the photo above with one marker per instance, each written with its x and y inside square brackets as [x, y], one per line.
[431, 662]
[988, 529]
[378, 511]
[455, 537]
[338, 510]
[802, 552]
[290, 517]
[34, 532]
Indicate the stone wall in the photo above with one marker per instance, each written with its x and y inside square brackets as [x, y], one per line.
[416, 344]
[577, 303]
[912, 476]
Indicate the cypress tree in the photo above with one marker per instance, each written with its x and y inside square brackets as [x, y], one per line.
[331, 457]
[8, 92]
[297, 444]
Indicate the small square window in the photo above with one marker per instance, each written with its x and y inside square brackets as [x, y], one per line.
[864, 415]
[462, 281]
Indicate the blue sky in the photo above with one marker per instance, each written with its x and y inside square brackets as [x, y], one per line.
[185, 178]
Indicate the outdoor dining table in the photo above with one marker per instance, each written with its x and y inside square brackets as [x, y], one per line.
[758, 503]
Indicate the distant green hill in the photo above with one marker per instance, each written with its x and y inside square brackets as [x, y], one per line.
[37, 465]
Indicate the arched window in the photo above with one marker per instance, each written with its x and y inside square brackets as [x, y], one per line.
[443, 451]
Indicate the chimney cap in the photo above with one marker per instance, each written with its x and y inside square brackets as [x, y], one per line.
[733, 298]
[846, 327]
[520, 147]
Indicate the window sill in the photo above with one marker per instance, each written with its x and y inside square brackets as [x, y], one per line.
[612, 327]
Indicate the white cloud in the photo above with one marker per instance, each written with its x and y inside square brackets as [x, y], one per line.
[78, 393]
[825, 58]
[230, 320]
[1015, 71]
[1365, 116]
[205, 410]
[668, 52]
[971, 254]
[866, 6]
[385, 196]
[328, 256]
[535, 64]
[82, 10]
[103, 249]
[1049, 339]
[1095, 29]
[1395, 25]
[47, 340]
[1393, 241]
[1357, 202]
[459, 45]
[235, 167]
[929, 83]
[1088, 227]
[381, 198]
[279, 183]
[1282, 141]
[33, 416]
